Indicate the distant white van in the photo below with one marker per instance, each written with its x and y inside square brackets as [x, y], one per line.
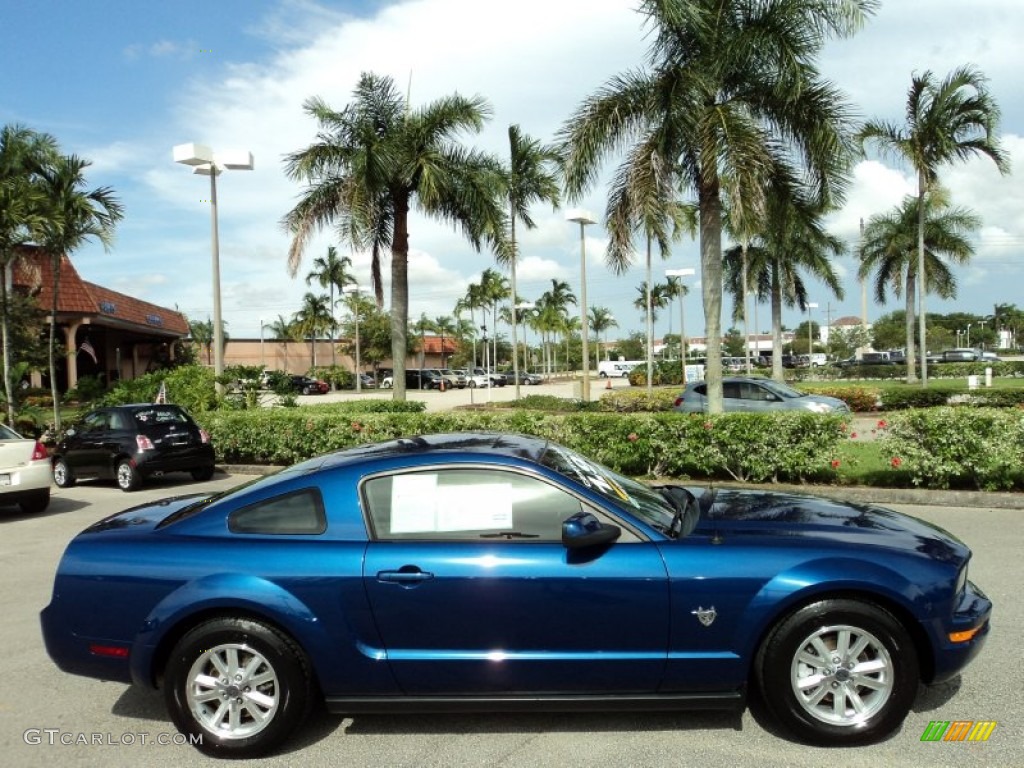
[617, 369]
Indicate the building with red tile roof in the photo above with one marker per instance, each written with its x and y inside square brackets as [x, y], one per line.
[105, 333]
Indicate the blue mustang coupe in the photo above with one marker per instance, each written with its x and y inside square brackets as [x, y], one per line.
[486, 571]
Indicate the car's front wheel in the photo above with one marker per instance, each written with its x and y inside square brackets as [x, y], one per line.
[63, 477]
[838, 672]
[240, 685]
[128, 477]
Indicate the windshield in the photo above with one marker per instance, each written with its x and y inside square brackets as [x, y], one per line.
[633, 497]
[781, 390]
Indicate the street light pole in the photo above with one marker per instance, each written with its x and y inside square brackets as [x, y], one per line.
[354, 290]
[204, 162]
[810, 333]
[680, 274]
[583, 218]
[263, 358]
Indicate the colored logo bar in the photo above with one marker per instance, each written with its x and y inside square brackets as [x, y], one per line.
[958, 730]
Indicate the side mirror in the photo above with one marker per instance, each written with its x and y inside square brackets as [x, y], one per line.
[584, 530]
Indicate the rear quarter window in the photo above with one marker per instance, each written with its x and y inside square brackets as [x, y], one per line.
[161, 415]
[298, 513]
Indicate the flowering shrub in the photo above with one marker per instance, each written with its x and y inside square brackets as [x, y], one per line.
[963, 447]
[756, 447]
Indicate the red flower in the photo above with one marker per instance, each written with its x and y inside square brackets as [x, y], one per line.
[896, 461]
[882, 424]
[835, 463]
[853, 435]
[707, 425]
[633, 437]
[357, 427]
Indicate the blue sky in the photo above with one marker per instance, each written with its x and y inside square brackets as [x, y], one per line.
[122, 81]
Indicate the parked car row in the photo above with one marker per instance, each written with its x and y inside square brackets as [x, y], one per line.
[460, 378]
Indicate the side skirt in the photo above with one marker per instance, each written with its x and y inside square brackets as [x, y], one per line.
[367, 705]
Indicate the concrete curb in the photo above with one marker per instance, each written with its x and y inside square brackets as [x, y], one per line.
[860, 494]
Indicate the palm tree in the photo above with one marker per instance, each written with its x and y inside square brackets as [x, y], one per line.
[674, 288]
[23, 155]
[552, 307]
[493, 290]
[472, 301]
[731, 86]
[284, 330]
[952, 120]
[529, 178]
[314, 318]
[889, 250]
[376, 159]
[792, 239]
[421, 327]
[601, 321]
[331, 272]
[74, 215]
[201, 332]
[650, 302]
[443, 326]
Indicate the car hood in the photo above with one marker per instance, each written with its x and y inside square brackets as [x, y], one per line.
[728, 513]
[831, 402]
[144, 517]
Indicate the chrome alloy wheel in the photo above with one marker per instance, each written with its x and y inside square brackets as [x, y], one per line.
[233, 691]
[842, 675]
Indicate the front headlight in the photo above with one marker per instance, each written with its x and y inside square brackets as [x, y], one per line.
[961, 581]
[819, 407]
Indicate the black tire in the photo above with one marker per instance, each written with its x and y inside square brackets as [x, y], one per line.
[472, 384]
[202, 474]
[127, 476]
[602, 375]
[281, 701]
[787, 663]
[36, 503]
[63, 477]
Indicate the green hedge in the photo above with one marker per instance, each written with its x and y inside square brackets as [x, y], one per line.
[979, 448]
[933, 397]
[748, 447]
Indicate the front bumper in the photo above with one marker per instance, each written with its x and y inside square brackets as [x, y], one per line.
[974, 611]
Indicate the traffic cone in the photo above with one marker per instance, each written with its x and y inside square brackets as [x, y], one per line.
[608, 383]
[442, 385]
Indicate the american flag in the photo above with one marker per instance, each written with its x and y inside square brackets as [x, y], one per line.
[88, 349]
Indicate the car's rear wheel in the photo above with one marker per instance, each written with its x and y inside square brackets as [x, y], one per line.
[241, 685]
[202, 474]
[128, 477]
[63, 477]
[838, 672]
[36, 503]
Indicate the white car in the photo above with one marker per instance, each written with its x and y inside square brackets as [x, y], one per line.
[24, 472]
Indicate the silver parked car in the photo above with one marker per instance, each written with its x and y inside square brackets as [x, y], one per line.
[24, 472]
[741, 394]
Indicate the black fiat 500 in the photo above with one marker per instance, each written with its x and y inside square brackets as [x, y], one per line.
[128, 443]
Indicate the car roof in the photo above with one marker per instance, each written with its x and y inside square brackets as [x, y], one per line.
[480, 443]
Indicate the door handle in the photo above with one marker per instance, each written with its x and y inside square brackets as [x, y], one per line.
[408, 574]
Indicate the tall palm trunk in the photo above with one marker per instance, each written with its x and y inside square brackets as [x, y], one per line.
[53, 331]
[399, 293]
[911, 288]
[650, 324]
[710, 205]
[922, 189]
[777, 322]
[5, 322]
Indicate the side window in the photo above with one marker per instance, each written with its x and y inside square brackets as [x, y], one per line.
[731, 390]
[701, 389]
[467, 505]
[301, 512]
[95, 420]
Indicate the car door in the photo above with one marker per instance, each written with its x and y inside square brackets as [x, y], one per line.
[732, 397]
[83, 449]
[473, 592]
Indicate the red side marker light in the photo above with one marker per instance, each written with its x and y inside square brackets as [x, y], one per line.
[113, 651]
